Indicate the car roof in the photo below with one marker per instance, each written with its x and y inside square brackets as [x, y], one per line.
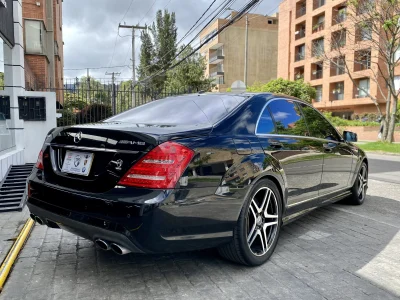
[248, 95]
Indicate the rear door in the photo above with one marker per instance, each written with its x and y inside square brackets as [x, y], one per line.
[338, 158]
[289, 141]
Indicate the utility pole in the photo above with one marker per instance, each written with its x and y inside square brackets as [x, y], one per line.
[246, 48]
[88, 85]
[133, 27]
[113, 94]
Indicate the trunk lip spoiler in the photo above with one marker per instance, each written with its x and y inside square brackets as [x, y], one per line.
[91, 148]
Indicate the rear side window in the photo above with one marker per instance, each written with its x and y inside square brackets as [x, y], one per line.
[182, 110]
[265, 123]
[317, 124]
[288, 118]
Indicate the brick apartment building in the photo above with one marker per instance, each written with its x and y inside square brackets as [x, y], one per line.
[43, 44]
[305, 24]
[225, 54]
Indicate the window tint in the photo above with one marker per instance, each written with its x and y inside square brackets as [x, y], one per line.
[288, 118]
[182, 110]
[317, 124]
[265, 123]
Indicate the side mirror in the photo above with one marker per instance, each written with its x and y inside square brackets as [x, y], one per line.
[350, 136]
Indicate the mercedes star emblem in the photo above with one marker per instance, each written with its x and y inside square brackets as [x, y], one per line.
[78, 137]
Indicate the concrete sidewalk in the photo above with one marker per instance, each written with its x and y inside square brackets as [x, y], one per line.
[11, 224]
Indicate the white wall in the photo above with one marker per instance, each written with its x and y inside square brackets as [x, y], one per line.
[14, 157]
[35, 131]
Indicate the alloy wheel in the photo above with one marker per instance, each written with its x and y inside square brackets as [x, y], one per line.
[262, 221]
[362, 182]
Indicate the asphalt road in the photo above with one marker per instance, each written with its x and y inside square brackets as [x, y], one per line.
[384, 167]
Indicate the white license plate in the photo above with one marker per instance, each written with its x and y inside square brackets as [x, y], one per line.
[78, 163]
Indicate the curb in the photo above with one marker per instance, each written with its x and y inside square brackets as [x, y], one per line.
[14, 251]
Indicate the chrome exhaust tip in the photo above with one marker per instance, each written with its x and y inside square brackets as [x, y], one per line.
[102, 244]
[39, 220]
[119, 249]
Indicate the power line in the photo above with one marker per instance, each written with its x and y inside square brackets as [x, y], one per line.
[148, 11]
[95, 68]
[239, 15]
[221, 8]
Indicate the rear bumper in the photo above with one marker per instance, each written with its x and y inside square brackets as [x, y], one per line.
[143, 221]
[82, 229]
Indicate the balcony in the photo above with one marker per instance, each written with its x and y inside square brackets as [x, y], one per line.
[318, 3]
[299, 73]
[217, 71]
[318, 23]
[301, 9]
[216, 57]
[339, 14]
[300, 31]
[318, 27]
[299, 56]
[317, 74]
[218, 80]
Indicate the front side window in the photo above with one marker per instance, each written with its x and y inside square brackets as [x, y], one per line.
[318, 126]
[288, 118]
[34, 37]
[265, 123]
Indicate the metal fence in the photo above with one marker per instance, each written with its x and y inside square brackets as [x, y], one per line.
[80, 103]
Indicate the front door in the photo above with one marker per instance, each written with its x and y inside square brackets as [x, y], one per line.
[300, 155]
[338, 157]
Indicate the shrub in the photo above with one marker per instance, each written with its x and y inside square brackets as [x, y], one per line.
[93, 113]
[297, 88]
[68, 118]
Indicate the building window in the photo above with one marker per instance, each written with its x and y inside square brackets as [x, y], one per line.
[362, 60]
[300, 31]
[318, 93]
[397, 83]
[299, 73]
[337, 91]
[365, 6]
[275, 22]
[363, 88]
[269, 21]
[397, 54]
[364, 32]
[300, 52]
[318, 23]
[301, 9]
[338, 39]
[339, 15]
[338, 66]
[317, 71]
[318, 3]
[34, 37]
[318, 47]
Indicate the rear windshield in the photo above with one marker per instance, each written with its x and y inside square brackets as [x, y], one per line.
[181, 110]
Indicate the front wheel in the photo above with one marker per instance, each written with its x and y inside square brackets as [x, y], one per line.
[359, 189]
[257, 230]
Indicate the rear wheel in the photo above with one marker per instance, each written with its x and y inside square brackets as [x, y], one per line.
[257, 230]
[359, 189]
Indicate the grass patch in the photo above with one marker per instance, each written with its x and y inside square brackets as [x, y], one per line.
[380, 147]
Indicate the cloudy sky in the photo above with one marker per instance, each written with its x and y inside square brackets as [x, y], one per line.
[90, 29]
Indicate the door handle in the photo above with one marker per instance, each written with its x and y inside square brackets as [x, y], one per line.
[275, 144]
[329, 147]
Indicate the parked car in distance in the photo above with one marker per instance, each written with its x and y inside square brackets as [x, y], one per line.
[196, 171]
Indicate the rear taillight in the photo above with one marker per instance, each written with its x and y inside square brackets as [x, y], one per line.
[161, 168]
[39, 163]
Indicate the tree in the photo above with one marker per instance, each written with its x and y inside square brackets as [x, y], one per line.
[367, 46]
[158, 51]
[189, 74]
[297, 88]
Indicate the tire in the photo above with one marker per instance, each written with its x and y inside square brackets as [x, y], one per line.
[258, 216]
[359, 193]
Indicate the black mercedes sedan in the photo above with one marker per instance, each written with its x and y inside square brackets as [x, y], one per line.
[196, 171]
